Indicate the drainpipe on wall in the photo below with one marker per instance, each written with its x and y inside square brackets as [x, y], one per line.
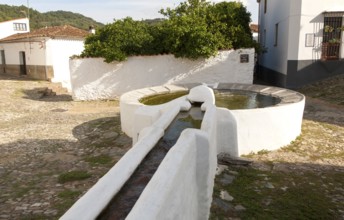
[45, 62]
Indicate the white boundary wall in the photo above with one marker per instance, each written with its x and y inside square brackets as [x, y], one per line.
[92, 79]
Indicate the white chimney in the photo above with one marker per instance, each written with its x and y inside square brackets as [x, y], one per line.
[91, 30]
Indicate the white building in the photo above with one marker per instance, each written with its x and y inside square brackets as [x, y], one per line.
[43, 53]
[16, 26]
[254, 29]
[303, 40]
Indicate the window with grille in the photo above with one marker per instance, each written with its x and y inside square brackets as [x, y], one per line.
[332, 34]
[19, 27]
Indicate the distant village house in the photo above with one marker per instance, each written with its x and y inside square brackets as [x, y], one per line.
[42, 54]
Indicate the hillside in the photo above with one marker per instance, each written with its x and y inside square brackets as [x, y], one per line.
[52, 18]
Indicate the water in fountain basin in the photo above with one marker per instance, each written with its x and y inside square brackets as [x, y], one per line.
[237, 99]
[231, 99]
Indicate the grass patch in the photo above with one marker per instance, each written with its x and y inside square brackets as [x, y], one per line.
[73, 176]
[68, 194]
[19, 190]
[294, 146]
[101, 159]
[299, 195]
[263, 152]
[69, 197]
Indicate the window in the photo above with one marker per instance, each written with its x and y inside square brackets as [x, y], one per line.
[264, 38]
[331, 29]
[3, 61]
[19, 26]
[331, 38]
[265, 5]
[276, 35]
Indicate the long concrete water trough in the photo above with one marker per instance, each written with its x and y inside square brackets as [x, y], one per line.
[181, 186]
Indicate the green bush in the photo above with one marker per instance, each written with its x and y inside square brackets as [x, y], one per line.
[118, 40]
[189, 34]
[192, 30]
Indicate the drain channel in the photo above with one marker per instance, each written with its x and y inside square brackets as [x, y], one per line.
[120, 206]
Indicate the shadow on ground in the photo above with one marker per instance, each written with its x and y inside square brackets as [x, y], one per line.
[103, 132]
[45, 94]
[321, 111]
[30, 168]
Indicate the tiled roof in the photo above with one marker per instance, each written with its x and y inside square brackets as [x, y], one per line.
[65, 31]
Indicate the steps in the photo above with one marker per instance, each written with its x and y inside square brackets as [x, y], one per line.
[53, 90]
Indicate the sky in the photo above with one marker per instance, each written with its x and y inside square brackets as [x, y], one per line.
[106, 10]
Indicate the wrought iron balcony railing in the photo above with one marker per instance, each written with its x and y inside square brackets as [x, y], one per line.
[330, 51]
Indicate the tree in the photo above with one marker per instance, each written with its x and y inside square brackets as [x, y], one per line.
[189, 34]
[118, 40]
[193, 29]
[231, 20]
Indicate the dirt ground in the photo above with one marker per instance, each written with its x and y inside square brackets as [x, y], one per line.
[44, 137]
[304, 180]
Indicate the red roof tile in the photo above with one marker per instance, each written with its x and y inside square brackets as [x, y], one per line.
[65, 31]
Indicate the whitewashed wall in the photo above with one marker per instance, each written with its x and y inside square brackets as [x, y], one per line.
[295, 19]
[179, 188]
[6, 28]
[238, 131]
[59, 53]
[312, 22]
[276, 12]
[35, 54]
[93, 79]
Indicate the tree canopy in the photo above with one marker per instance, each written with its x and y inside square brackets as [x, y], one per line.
[194, 29]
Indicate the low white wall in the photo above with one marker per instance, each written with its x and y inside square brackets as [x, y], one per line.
[94, 79]
[238, 131]
[268, 128]
[179, 188]
[131, 108]
[182, 187]
[227, 133]
[59, 52]
[109, 185]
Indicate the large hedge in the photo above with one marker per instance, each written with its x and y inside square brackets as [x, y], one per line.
[193, 29]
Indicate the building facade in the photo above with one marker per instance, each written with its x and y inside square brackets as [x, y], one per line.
[16, 26]
[42, 54]
[303, 41]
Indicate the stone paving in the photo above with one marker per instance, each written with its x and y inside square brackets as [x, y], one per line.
[43, 136]
[314, 161]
